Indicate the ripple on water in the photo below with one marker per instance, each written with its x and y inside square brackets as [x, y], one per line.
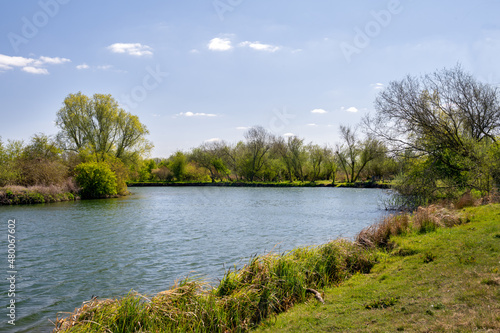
[70, 251]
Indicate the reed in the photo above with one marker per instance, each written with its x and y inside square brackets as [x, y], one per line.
[423, 220]
[267, 285]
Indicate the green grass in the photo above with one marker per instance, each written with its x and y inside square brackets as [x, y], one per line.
[445, 280]
[407, 273]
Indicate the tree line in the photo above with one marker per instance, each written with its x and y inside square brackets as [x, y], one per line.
[264, 157]
[434, 136]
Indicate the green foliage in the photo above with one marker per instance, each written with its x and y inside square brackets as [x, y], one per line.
[96, 180]
[9, 153]
[177, 165]
[98, 125]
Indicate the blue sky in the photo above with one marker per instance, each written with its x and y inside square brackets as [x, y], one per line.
[198, 70]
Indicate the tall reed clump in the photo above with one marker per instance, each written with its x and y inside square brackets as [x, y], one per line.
[267, 285]
[423, 220]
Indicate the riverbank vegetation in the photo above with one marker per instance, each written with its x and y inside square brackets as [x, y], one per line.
[445, 280]
[426, 266]
[89, 158]
[433, 138]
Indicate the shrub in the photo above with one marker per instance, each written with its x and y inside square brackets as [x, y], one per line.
[96, 180]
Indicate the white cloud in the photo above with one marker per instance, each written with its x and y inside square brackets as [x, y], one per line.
[83, 66]
[352, 109]
[259, 46]
[52, 61]
[312, 125]
[35, 70]
[377, 86]
[201, 114]
[318, 111]
[242, 128]
[30, 65]
[213, 140]
[286, 135]
[104, 67]
[134, 49]
[220, 44]
[194, 51]
[8, 62]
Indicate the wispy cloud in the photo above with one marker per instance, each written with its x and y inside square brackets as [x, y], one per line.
[220, 44]
[319, 111]
[191, 114]
[377, 86]
[133, 49]
[104, 67]
[51, 61]
[35, 70]
[242, 128]
[30, 65]
[213, 140]
[312, 125]
[258, 46]
[83, 66]
[286, 135]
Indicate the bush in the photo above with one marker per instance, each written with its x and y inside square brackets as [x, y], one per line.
[96, 180]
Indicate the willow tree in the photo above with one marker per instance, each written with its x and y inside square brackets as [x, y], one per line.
[100, 127]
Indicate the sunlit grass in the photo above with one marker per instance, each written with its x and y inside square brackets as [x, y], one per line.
[444, 280]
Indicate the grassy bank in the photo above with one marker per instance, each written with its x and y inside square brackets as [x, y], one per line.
[442, 280]
[18, 195]
[419, 272]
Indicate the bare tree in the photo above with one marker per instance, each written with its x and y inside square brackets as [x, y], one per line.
[448, 119]
[446, 109]
[354, 154]
[258, 143]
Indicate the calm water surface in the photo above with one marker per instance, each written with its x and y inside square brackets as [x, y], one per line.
[67, 252]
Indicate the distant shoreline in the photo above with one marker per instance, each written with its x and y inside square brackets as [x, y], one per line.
[243, 184]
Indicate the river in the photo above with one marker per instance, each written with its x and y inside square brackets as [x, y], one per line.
[67, 252]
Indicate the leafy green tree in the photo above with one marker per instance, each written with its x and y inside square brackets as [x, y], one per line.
[40, 163]
[100, 126]
[178, 165]
[96, 180]
[209, 157]
[9, 153]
